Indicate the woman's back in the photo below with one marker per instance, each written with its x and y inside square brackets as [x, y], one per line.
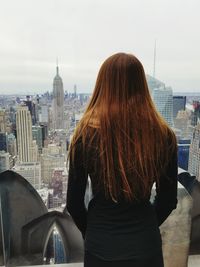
[119, 229]
[124, 145]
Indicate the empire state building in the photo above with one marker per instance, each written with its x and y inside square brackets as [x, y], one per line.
[58, 102]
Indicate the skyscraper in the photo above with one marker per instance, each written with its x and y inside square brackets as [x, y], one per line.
[58, 102]
[27, 148]
[75, 91]
[44, 114]
[153, 83]
[24, 133]
[37, 135]
[2, 121]
[194, 155]
[195, 116]
[163, 99]
[31, 107]
[179, 103]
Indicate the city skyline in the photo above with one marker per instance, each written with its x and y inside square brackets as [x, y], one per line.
[82, 34]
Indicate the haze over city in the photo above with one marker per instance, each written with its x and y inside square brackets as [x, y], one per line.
[82, 34]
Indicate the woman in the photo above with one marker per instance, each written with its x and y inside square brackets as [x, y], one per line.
[124, 145]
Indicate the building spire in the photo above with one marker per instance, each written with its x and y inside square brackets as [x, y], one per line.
[57, 68]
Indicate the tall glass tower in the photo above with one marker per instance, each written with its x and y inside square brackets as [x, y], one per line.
[163, 99]
[58, 102]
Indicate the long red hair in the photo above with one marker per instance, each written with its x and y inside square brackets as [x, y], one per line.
[133, 137]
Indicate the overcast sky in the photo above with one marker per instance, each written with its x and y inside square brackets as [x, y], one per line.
[83, 33]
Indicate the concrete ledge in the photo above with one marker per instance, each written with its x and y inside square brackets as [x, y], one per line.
[194, 261]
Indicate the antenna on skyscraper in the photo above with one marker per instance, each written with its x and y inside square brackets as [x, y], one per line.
[57, 69]
[154, 60]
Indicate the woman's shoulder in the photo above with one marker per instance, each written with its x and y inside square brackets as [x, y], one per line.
[87, 139]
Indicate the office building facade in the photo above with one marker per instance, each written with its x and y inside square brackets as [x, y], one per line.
[27, 148]
[31, 171]
[179, 103]
[163, 100]
[194, 154]
[2, 121]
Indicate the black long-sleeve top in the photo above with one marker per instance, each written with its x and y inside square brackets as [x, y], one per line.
[122, 230]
